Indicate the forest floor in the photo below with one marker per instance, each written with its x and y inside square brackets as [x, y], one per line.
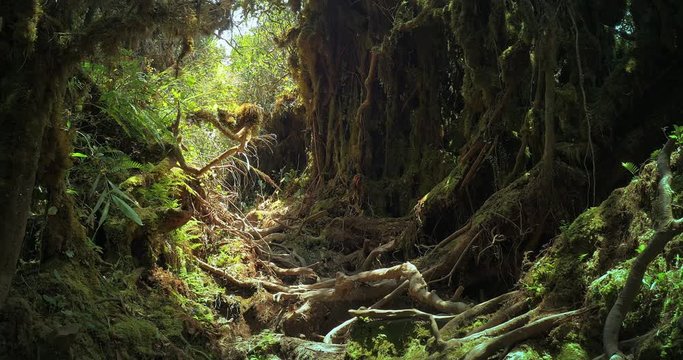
[300, 277]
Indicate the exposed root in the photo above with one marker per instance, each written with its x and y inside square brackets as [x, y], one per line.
[376, 252]
[507, 339]
[249, 284]
[304, 272]
[403, 314]
[346, 324]
[344, 285]
[503, 316]
[474, 311]
[500, 329]
[461, 255]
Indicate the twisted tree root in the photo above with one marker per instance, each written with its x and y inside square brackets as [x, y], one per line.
[343, 285]
[505, 327]
[534, 328]
[249, 284]
[503, 316]
[479, 309]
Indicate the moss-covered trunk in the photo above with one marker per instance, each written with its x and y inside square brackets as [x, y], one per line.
[472, 108]
[28, 99]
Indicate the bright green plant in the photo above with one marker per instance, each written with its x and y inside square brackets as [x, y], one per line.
[630, 167]
[112, 194]
[677, 134]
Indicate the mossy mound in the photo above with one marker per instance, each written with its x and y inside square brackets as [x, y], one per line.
[587, 265]
[70, 310]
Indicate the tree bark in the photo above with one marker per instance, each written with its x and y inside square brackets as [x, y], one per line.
[27, 100]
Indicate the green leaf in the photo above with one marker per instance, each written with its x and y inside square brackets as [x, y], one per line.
[121, 194]
[78, 155]
[94, 185]
[99, 203]
[630, 167]
[641, 248]
[126, 209]
[104, 216]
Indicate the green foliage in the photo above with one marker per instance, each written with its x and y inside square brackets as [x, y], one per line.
[259, 63]
[395, 340]
[230, 257]
[187, 233]
[604, 290]
[677, 134]
[630, 167]
[165, 190]
[526, 352]
[98, 170]
[126, 95]
[262, 346]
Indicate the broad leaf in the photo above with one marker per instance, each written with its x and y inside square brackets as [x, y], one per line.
[126, 209]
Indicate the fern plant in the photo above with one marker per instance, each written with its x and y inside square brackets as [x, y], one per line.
[630, 167]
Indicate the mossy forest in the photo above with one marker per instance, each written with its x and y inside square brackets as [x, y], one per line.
[341, 179]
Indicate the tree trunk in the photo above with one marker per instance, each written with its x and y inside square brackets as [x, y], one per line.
[27, 97]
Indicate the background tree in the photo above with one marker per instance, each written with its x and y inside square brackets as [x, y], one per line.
[43, 43]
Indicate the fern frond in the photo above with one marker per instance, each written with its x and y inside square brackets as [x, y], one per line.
[630, 167]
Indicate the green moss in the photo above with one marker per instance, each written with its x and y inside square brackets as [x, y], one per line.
[460, 350]
[604, 290]
[141, 334]
[230, 257]
[322, 205]
[572, 351]
[416, 351]
[526, 352]
[397, 339]
[169, 321]
[587, 230]
[263, 346]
